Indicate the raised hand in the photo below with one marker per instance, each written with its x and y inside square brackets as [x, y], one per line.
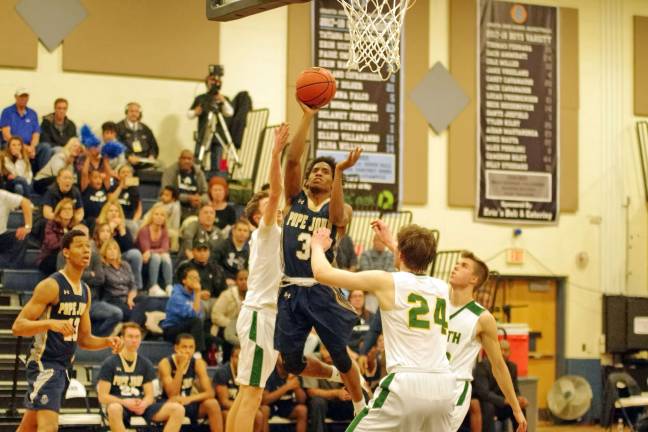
[306, 109]
[351, 160]
[383, 232]
[281, 139]
[321, 238]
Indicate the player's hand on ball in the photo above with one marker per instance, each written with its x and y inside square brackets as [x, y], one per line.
[62, 326]
[351, 160]
[321, 238]
[306, 109]
[115, 343]
[281, 139]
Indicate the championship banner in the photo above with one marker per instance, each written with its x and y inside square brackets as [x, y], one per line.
[364, 113]
[517, 128]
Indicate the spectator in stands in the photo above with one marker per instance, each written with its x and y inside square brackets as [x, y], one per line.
[127, 193]
[357, 300]
[212, 277]
[63, 188]
[169, 201]
[119, 287]
[63, 159]
[55, 229]
[16, 167]
[286, 398]
[203, 228]
[228, 304]
[376, 258]
[227, 389]
[346, 257]
[493, 404]
[108, 134]
[376, 363]
[190, 181]
[179, 373]
[225, 213]
[125, 387]
[233, 252]
[19, 119]
[56, 127]
[94, 196]
[183, 310]
[327, 399]
[141, 146]
[92, 160]
[112, 214]
[12, 245]
[153, 242]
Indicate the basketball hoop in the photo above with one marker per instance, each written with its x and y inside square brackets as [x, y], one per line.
[375, 28]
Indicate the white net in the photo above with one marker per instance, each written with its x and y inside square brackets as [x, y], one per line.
[375, 28]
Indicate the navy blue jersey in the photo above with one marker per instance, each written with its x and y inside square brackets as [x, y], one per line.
[299, 225]
[127, 379]
[52, 348]
[188, 377]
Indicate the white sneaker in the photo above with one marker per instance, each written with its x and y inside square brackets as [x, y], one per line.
[169, 290]
[156, 291]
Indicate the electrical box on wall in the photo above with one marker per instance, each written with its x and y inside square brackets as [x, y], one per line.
[515, 256]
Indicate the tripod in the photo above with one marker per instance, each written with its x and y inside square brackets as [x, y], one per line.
[216, 128]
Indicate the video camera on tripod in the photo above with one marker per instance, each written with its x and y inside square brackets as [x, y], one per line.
[215, 129]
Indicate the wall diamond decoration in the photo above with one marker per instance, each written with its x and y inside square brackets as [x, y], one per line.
[51, 20]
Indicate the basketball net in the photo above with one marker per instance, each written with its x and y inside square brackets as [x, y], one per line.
[374, 28]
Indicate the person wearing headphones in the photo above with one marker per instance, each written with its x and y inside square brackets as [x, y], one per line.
[141, 146]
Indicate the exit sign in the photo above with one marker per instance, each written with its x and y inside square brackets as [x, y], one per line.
[515, 256]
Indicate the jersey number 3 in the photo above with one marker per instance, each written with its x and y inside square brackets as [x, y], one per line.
[417, 313]
[305, 240]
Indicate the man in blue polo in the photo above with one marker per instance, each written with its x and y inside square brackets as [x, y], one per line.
[18, 119]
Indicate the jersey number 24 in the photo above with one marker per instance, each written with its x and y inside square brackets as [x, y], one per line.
[419, 312]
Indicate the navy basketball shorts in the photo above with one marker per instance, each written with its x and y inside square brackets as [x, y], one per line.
[46, 387]
[149, 412]
[301, 308]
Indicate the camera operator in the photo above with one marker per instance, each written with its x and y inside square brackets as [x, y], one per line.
[203, 104]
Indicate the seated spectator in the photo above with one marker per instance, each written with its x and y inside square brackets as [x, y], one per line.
[101, 234]
[212, 277]
[55, 229]
[357, 300]
[141, 146]
[127, 193]
[286, 398]
[226, 390]
[94, 197]
[153, 242]
[169, 201]
[190, 182]
[109, 134]
[376, 363]
[119, 287]
[19, 119]
[376, 258]
[125, 387]
[492, 401]
[63, 188]
[203, 228]
[327, 399]
[64, 159]
[112, 214]
[228, 304]
[225, 213]
[179, 373]
[92, 160]
[233, 252]
[183, 310]
[12, 246]
[346, 257]
[57, 128]
[16, 168]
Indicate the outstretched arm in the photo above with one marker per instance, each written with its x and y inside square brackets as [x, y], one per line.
[293, 176]
[281, 139]
[376, 281]
[487, 332]
[339, 212]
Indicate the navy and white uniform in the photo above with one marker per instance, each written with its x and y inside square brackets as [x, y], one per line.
[51, 353]
[304, 303]
[188, 380]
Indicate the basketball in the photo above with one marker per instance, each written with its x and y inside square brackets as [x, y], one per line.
[316, 87]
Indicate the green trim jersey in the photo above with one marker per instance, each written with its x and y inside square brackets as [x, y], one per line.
[265, 267]
[463, 345]
[415, 330]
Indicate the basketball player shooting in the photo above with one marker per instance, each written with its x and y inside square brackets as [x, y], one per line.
[58, 317]
[303, 303]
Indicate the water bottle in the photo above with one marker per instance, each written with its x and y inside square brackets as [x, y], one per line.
[620, 425]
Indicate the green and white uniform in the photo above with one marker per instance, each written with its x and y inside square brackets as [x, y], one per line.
[418, 392]
[256, 321]
[463, 349]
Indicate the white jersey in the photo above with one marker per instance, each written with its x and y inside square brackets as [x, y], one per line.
[265, 267]
[463, 346]
[415, 330]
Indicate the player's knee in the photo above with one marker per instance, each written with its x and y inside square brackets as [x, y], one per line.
[212, 406]
[294, 362]
[300, 412]
[115, 410]
[176, 410]
[51, 426]
[341, 360]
